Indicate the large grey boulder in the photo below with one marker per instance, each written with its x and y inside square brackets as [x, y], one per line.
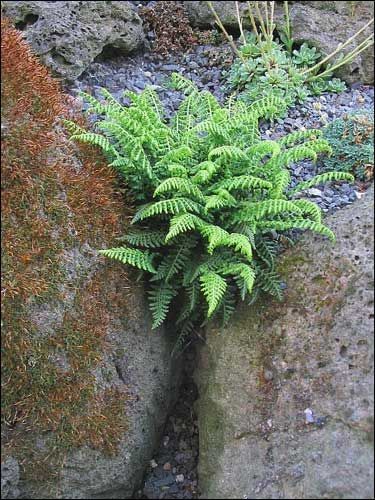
[287, 390]
[69, 35]
[322, 24]
[327, 24]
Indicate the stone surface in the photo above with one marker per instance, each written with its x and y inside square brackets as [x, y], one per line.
[286, 390]
[328, 26]
[200, 15]
[10, 476]
[138, 360]
[322, 24]
[68, 36]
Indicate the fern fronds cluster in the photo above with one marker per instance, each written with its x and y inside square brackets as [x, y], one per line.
[212, 197]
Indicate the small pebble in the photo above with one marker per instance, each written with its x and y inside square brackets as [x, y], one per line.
[309, 416]
[268, 375]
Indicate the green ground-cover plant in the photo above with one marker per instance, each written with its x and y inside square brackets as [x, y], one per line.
[211, 196]
[352, 142]
[277, 71]
[268, 61]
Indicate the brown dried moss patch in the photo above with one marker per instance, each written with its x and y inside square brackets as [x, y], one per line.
[56, 198]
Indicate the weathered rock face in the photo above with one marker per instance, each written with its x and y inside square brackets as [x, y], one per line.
[275, 367]
[69, 35]
[137, 363]
[325, 26]
[322, 24]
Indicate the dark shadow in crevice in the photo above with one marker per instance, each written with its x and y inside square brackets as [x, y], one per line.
[109, 53]
[29, 20]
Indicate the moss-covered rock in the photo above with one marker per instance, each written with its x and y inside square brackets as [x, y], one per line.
[313, 351]
[85, 384]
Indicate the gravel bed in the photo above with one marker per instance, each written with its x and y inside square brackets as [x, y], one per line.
[173, 471]
[204, 65]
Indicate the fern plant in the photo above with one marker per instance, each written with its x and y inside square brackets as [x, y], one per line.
[212, 197]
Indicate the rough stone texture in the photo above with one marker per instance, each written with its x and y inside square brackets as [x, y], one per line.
[139, 359]
[10, 476]
[322, 24]
[200, 15]
[325, 26]
[96, 306]
[69, 35]
[257, 377]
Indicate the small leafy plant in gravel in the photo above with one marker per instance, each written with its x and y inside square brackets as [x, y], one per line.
[171, 27]
[269, 64]
[352, 142]
[211, 197]
[276, 71]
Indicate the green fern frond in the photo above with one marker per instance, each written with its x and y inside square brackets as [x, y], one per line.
[181, 185]
[172, 263]
[172, 206]
[263, 148]
[262, 209]
[310, 208]
[241, 244]
[280, 183]
[207, 169]
[181, 83]
[245, 182]
[296, 154]
[269, 281]
[213, 287]
[269, 106]
[300, 136]
[182, 223]
[95, 105]
[227, 152]
[278, 225]
[215, 234]
[216, 201]
[73, 128]
[266, 250]
[320, 179]
[248, 230]
[96, 140]
[177, 154]
[244, 271]
[160, 297]
[202, 266]
[131, 256]
[222, 193]
[145, 238]
[320, 146]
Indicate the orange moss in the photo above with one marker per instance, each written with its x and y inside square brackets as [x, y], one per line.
[56, 196]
